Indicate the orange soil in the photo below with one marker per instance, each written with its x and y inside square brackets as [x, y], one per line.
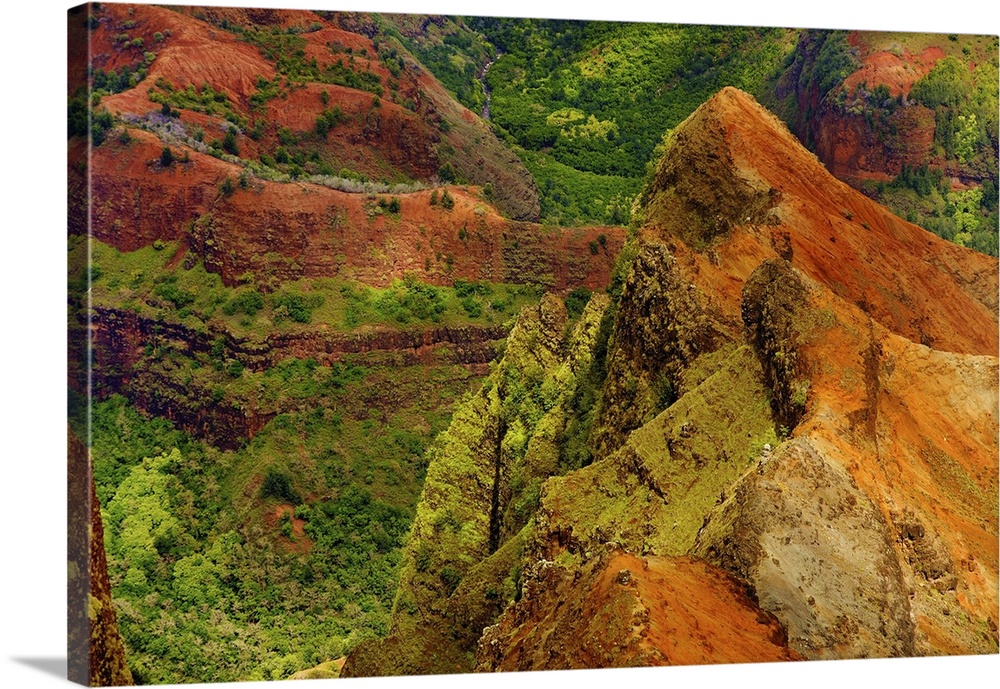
[194, 53]
[898, 72]
[630, 611]
[847, 242]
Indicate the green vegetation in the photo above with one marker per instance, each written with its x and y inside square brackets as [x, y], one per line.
[572, 197]
[125, 78]
[453, 52]
[965, 111]
[289, 532]
[923, 196]
[286, 50]
[83, 120]
[139, 281]
[328, 119]
[214, 575]
[203, 99]
[587, 102]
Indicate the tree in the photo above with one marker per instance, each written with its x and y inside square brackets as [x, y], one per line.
[166, 157]
[139, 518]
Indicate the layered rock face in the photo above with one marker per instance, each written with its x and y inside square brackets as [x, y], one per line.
[778, 409]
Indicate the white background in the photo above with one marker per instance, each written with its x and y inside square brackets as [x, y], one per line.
[32, 332]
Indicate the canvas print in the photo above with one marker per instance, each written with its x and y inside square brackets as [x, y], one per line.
[407, 344]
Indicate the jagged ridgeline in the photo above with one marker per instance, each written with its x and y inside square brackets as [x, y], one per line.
[747, 405]
[462, 561]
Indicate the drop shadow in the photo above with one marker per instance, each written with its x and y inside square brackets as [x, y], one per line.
[55, 666]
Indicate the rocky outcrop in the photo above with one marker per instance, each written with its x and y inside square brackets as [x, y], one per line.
[815, 446]
[651, 495]
[663, 323]
[773, 300]
[96, 651]
[818, 554]
[121, 336]
[698, 193]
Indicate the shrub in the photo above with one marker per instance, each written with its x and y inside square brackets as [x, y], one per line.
[166, 157]
[465, 288]
[576, 301]
[447, 200]
[472, 307]
[277, 485]
[447, 173]
[949, 83]
[227, 187]
[328, 119]
[298, 307]
[248, 302]
[175, 295]
[229, 143]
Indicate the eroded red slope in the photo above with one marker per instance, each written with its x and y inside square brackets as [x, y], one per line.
[270, 231]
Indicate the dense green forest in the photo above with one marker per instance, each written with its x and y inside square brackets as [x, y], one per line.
[259, 562]
[584, 104]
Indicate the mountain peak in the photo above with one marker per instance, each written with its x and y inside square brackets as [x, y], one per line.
[734, 182]
[699, 191]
